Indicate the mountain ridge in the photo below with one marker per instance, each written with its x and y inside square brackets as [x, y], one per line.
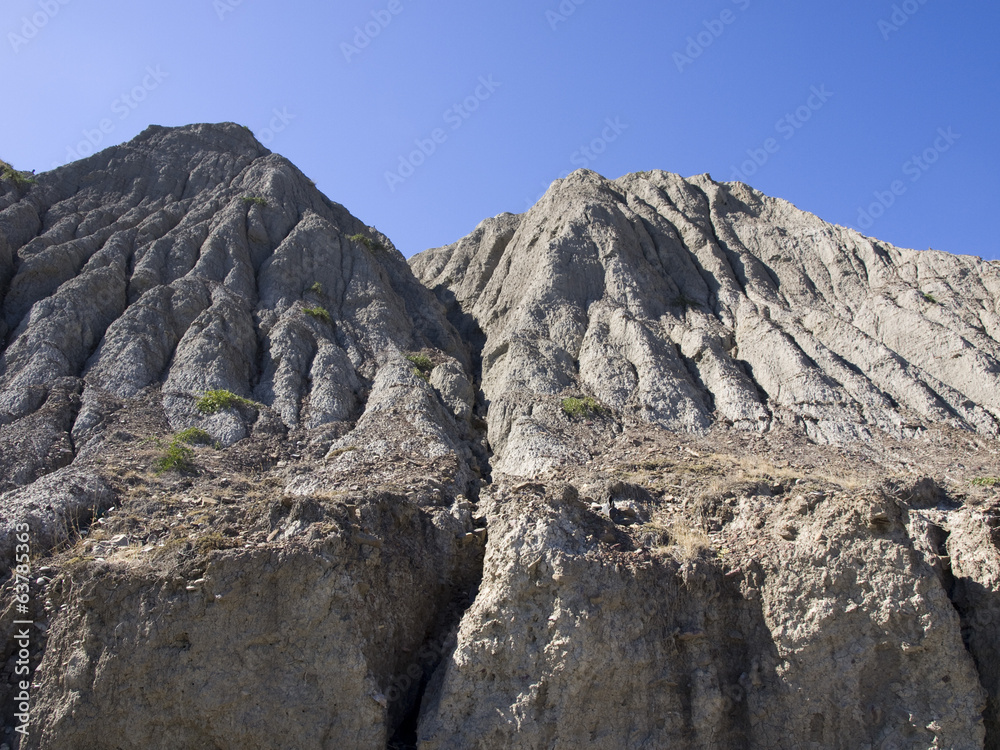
[659, 461]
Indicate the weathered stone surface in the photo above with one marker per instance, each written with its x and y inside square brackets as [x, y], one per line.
[54, 507]
[685, 422]
[301, 643]
[192, 260]
[838, 634]
[973, 547]
[689, 302]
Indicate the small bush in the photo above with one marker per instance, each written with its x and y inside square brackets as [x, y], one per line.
[986, 481]
[421, 361]
[929, 298]
[371, 244]
[214, 401]
[194, 436]
[316, 288]
[177, 458]
[255, 200]
[21, 179]
[422, 366]
[320, 313]
[576, 408]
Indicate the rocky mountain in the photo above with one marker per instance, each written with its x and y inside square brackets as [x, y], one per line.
[661, 462]
[685, 303]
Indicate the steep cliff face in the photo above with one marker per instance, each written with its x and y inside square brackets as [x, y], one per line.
[614, 313]
[205, 388]
[660, 462]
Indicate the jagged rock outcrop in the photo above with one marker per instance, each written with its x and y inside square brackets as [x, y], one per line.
[689, 302]
[659, 463]
[580, 637]
[698, 307]
[188, 263]
[301, 645]
[192, 260]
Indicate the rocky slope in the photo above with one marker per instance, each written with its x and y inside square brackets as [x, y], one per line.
[686, 303]
[660, 462]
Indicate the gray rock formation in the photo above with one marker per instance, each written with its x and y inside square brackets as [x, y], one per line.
[659, 463]
[299, 646]
[193, 260]
[578, 638]
[685, 303]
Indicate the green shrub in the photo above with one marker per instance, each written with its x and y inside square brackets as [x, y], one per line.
[929, 298]
[371, 244]
[576, 408]
[986, 481]
[21, 179]
[194, 436]
[320, 313]
[255, 200]
[316, 288]
[422, 366]
[421, 362]
[214, 401]
[177, 458]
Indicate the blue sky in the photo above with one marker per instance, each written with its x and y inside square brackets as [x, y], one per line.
[875, 114]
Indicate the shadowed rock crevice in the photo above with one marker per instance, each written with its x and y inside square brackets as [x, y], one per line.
[974, 551]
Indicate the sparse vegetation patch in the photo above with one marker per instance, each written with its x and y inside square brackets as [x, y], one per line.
[194, 436]
[177, 458]
[213, 541]
[318, 312]
[9, 174]
[218, 400]
[689, 541]
[422, 365]
[578, 408]
[421, 361]
[986, 481]
[371, 244]
[255, 200]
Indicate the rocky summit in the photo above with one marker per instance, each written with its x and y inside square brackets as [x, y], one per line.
[660, 463]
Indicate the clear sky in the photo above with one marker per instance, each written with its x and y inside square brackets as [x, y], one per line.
[423, 118]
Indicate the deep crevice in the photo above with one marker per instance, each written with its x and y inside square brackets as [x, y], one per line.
[432, 656]
[978, 610]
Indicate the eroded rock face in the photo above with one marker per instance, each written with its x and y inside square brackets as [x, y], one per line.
[838, 634]
[273, 584]
[973, 547]
[687, 303]
[721, 406]
[269, 647]
[191, 260]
